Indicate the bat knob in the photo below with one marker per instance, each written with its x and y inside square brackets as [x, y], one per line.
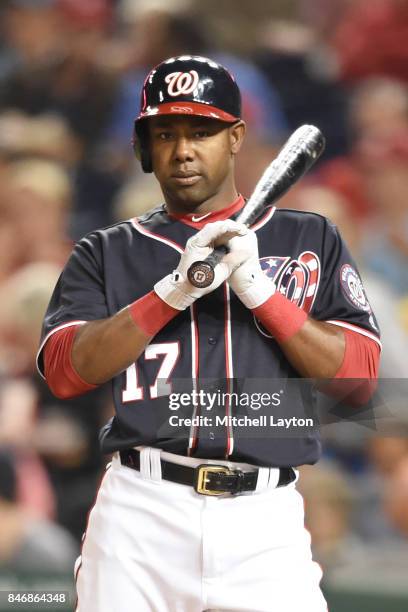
[200, 274]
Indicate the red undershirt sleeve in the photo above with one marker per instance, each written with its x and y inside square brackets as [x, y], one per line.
[361, 357]
[61, 377]
[356, 379]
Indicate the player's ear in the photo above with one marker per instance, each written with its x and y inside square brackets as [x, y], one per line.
[237, 133]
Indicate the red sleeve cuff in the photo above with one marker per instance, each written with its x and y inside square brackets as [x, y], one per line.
[281, 317]
[151, 313]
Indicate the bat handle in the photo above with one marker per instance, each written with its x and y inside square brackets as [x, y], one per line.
[201, 273]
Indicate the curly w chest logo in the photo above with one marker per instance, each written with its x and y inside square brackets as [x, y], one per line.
[297, 279]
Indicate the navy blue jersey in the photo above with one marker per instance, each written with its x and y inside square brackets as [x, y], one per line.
[217, 338]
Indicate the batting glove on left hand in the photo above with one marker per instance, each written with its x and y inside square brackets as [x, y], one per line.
[248, 281]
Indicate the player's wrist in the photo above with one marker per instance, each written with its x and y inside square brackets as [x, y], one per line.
[151, 313]
[281, 317]
[173, 291]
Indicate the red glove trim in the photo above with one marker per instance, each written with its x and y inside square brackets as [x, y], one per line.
[281, 317]
[60, 375]
[150, 313]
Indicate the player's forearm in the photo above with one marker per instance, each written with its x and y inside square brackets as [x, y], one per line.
[104, 348]
[355, 380]
[316, 350]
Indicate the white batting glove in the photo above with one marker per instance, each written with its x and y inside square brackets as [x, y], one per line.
[248, 281]
[175, 289]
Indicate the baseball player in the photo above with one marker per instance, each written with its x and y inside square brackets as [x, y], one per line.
[207, 520]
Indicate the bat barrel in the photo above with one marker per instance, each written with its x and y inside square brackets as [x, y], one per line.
[296, 157]
[300, 152]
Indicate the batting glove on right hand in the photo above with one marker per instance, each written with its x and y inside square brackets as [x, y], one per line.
[175, 289]
[248, 281]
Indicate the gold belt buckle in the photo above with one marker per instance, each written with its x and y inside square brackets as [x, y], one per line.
[202, 479]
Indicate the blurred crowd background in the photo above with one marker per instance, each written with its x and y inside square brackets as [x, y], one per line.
[70, 77]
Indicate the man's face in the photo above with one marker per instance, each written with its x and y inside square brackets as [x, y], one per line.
[192, 157]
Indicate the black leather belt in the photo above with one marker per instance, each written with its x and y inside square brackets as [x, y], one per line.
[208, 479]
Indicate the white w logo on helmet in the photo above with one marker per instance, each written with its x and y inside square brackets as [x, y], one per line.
[181, 83]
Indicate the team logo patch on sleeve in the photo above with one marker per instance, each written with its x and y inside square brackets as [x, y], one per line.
[353, 289]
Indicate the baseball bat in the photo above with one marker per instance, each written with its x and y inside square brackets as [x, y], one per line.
[296, 157]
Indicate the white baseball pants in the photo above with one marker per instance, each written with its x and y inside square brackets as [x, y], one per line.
[156, 546]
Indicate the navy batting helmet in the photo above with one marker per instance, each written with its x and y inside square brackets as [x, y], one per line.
[185, 85]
